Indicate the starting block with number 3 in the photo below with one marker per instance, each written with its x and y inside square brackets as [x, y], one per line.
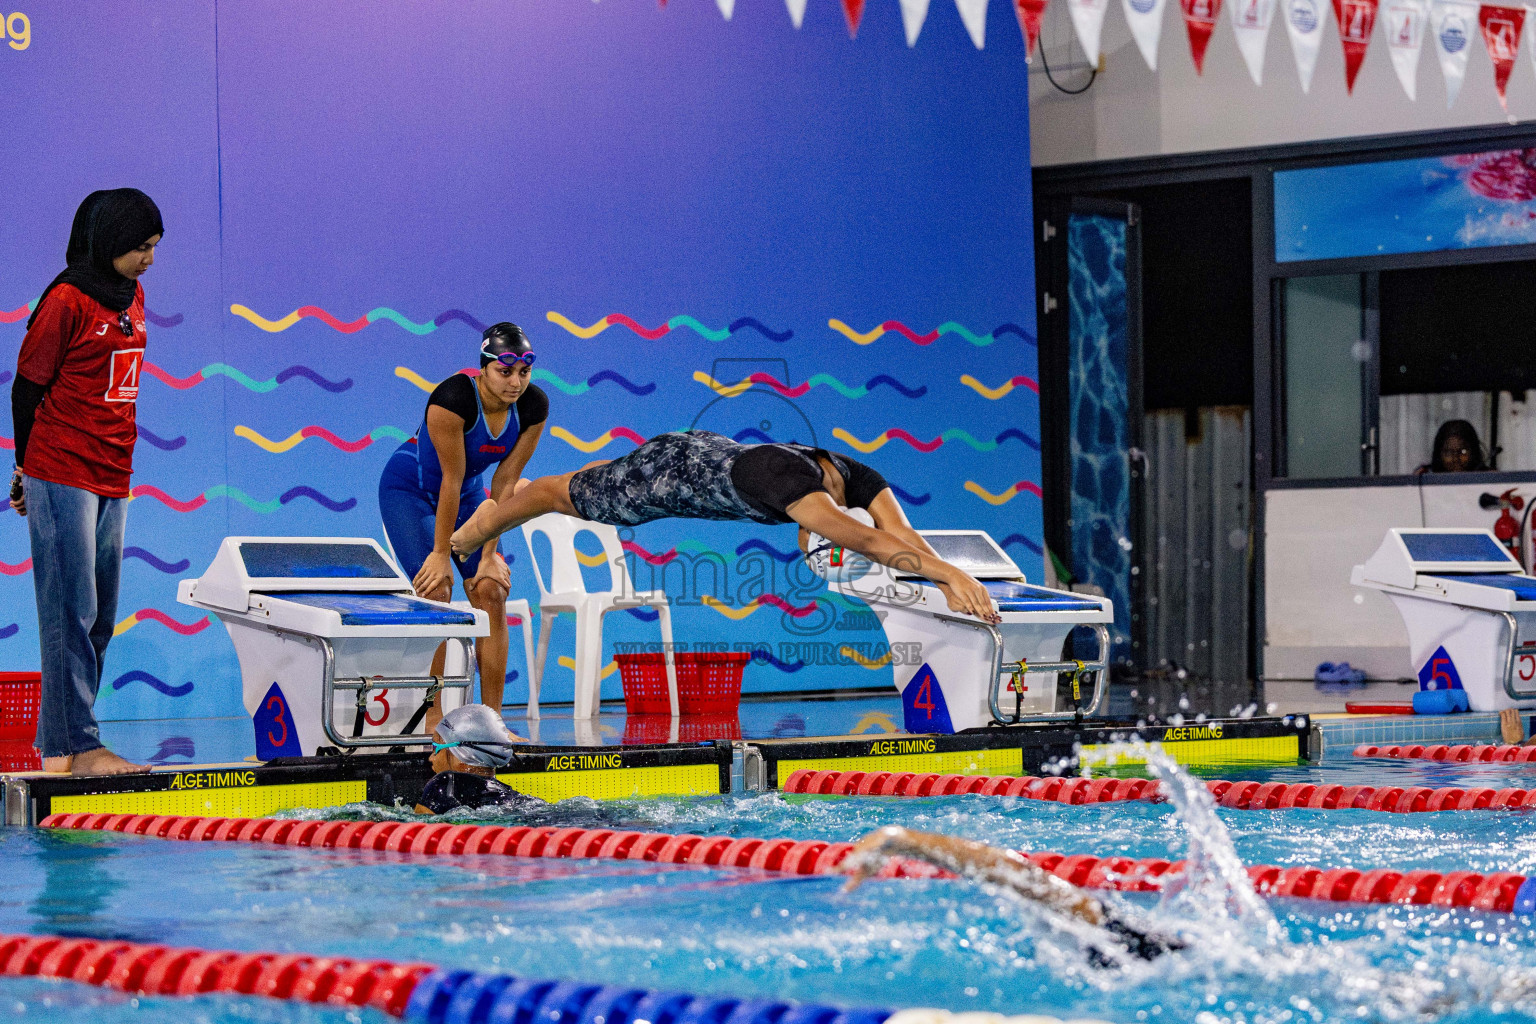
[334, 646]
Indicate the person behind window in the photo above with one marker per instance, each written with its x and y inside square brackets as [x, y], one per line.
[1456, 450]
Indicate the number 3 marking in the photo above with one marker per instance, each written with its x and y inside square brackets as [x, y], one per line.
[277, 719]
[382, 718]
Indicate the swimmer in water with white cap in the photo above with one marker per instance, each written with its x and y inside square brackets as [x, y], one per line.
[473, 742]
[1010, 870]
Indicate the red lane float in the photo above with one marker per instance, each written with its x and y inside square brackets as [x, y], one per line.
[167, 971]
[1239, 795]
[1461, 753]
[1502, 892]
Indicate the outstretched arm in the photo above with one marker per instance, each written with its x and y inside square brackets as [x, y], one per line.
[901, 548]
[978, 860]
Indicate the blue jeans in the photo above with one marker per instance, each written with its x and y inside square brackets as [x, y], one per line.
[77, 560]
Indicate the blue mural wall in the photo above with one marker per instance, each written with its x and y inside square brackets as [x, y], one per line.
[1099, 379]
[1430, 204]
[733, 225]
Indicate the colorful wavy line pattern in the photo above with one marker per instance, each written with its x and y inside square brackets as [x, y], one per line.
[947, 327]
[1023, 541]
[19, 569]
[260, 387]
[908, 498]
[156, 615]
[797, 390]
[385, 433]
[17, 315]
[352, 327]
[772, 552]
[226, 491]
[761, 601]
[542, 376]
[164, 444]
[655, 333]
[25, 566]
[153, 682]
[1007, 495]
[602, 440]
[5, 376]
[863, 662]
[1002, 389]
[6, 632]
[952, 434]
[783, 666]
[566, 661]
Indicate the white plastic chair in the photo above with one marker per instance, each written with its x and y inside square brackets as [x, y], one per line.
[515, 606]
[565, 591]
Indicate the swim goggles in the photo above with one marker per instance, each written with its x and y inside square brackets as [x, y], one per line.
[501, 753]
[513, 358]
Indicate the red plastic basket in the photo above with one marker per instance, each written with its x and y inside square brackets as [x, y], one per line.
[690, 728]
[19, 694]
[19, 756]
[706, 683]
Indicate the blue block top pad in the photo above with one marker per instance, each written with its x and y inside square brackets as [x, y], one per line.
[1021, 597]
[1454, 547]
[1523, 587]
[307, 560]
[382, 609]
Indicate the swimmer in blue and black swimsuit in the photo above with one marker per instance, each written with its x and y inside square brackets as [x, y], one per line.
[431, 486]
[697, 474]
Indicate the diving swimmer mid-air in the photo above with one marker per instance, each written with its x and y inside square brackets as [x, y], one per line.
[697, 474]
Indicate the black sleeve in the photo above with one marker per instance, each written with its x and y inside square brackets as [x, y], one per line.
[457, 395]
[532, 409]
[25, 398]
[773, 478]
[861, 483]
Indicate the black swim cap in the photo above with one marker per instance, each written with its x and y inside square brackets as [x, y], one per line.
[505, 338]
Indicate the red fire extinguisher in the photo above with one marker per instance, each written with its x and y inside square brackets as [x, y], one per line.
[1507, 528]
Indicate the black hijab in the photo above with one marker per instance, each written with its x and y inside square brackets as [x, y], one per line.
[108, 224]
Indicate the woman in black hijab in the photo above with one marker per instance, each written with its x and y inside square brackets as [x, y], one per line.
[73, 402]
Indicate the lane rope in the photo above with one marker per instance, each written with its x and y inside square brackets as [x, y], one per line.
[1459, 753]
[1501, 892]
[419, 993]
[1237, 795]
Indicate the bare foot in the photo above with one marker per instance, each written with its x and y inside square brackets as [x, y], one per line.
[102, 761]
[58, 764]
[474, 533]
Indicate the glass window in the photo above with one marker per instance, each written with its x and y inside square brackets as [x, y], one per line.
[1325, 360]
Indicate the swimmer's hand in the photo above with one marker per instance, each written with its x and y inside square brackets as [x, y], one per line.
[966, 596]
[434, 577]
[869, 855]
[474, 533]
[493, 568]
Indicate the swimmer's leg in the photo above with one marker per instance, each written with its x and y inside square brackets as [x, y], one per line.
[493, 518]
[488, 595]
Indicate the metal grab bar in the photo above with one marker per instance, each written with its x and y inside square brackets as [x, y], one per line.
[1511, 653]
[1098, 667]
[329, 684]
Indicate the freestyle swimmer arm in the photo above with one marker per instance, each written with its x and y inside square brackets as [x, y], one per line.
[1006, 868]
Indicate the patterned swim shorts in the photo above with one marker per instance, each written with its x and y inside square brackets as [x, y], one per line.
[682, 475]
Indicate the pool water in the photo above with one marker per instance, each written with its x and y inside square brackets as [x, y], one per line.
[898, 943]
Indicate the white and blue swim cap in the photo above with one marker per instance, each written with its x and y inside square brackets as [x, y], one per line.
[837, 564]
[476, 735]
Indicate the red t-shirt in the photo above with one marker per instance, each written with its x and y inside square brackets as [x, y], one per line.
[86, 427]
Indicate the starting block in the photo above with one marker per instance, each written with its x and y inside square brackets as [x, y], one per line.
[956, 672]
[1466, 602]
[328, 628]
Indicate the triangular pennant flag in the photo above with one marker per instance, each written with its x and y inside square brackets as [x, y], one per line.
[853, 11]
[1451, 21]
[1199, 20]
[796, 11]
[1304, 24]
[913, 14]
[974, 14]
[1030, 14]
[1501, 34]
[1250, 21]
[1355, 18]
[1404, 24]
[1146, 18]
[727, 8]
[1088, 20]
